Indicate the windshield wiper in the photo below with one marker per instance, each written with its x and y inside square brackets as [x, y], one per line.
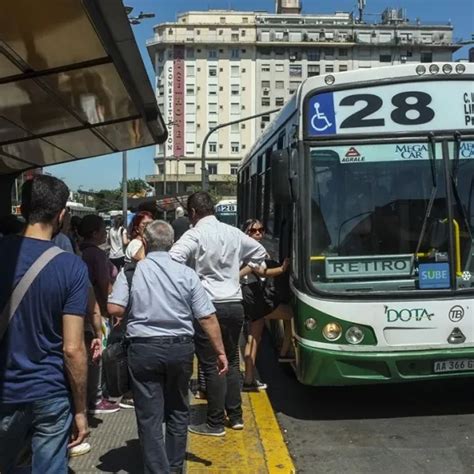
[434, 190]
[454, 183]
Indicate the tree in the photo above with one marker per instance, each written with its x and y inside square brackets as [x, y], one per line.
[137, 186]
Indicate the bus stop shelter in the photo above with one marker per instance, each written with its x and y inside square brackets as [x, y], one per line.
[72, 85]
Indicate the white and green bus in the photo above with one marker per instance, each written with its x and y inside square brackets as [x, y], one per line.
[365, 179]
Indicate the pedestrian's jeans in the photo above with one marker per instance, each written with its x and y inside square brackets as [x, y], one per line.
[223, 392]
[47, 423]
[160, 371]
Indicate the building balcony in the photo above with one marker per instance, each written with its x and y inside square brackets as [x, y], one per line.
[190, 178]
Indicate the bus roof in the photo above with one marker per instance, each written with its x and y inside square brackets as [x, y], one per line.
[63, 103]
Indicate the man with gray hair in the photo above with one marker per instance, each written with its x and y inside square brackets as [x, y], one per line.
[181, 224]
[164, 299]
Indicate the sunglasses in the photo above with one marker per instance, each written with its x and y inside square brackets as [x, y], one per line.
[254, 230]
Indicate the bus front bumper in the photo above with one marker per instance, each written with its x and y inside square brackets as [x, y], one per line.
[316, 366]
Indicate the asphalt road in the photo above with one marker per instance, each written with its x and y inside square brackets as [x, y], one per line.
[410, 428]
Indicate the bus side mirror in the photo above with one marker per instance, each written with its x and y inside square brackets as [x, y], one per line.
[280, 176]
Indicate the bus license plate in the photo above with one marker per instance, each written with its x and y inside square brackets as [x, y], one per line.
[455, 365]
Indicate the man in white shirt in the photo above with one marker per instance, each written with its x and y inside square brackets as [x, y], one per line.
[215, 250]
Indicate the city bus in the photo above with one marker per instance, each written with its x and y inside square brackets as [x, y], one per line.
[365, 179]
[226, 211]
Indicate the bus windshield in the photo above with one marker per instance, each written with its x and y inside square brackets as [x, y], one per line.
[379, 211]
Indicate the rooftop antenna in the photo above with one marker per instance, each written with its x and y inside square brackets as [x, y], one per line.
[361, 4]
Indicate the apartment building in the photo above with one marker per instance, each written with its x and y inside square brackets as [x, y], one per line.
[217, 66]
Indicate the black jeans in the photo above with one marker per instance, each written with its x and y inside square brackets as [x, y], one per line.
[160, 370]
[223, 393]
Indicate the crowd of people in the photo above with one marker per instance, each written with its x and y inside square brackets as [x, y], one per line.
[171, 291]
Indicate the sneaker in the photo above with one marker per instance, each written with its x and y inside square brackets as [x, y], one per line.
[254, 386]
[127, 403]
[206, 430]
[79, 450]
[237, 425]
[104, 406]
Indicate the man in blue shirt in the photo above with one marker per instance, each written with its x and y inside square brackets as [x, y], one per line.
[43, 360]
[164, 300]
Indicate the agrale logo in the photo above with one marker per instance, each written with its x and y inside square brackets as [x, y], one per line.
[406, 315]
[352, 156]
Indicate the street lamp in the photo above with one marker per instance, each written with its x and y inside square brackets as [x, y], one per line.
[204, 181]
[133, 20]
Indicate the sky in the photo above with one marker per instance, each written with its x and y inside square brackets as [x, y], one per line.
[105, 172]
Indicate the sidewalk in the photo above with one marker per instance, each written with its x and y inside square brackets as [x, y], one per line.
[259, 448]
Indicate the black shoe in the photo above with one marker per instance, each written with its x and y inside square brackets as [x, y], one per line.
[237, 424]
[254, 386]
[206, 430]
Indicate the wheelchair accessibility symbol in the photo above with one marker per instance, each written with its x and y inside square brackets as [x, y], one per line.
[319, 121]
[320, 115]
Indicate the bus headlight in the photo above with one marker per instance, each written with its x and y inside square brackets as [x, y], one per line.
[329, 79]
[354, 335]
[310, 324]
[332, 331]
[447, 68]
[420, 70]
[460, 68]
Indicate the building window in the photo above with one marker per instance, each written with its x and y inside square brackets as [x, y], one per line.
[212, 147]
[426, 57]
[313, 70]
[212, 71]
[296, 70]
[212, 89]
[234, 89]
[242, 126]
[343, 67]
[234, 108]
[189, 147]
[265, 84]
[329, 68]
[279, 84]
[222, 20]
[234, 168]
[212, 168]
[212, 108]
[234, 128]
[234, 71]
[279, 101]
[161, 169]
[190, 168]
[343, 53]
[235, 53]
[213, 54]
[328, 53]
[385, 58]
[190, 70]
[313, 55]
[190, 127]
[234, 36]
[242, 33]
[212, 125]
[234, 147]
[279, 67]
[189, 90]
[265, 67]
[265, 101]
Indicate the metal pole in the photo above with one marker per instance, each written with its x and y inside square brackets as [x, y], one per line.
[204, 183]
[124, 189]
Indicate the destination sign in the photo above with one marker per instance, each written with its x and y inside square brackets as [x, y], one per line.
[407, 107]
[378, 266]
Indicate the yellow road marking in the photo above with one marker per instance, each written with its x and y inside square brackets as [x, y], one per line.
[277, 457]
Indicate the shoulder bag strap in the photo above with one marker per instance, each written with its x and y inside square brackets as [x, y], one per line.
[23, 286]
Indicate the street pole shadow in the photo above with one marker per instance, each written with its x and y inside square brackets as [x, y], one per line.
[124, 459]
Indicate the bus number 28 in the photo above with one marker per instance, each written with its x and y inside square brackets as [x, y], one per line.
[405, 102]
